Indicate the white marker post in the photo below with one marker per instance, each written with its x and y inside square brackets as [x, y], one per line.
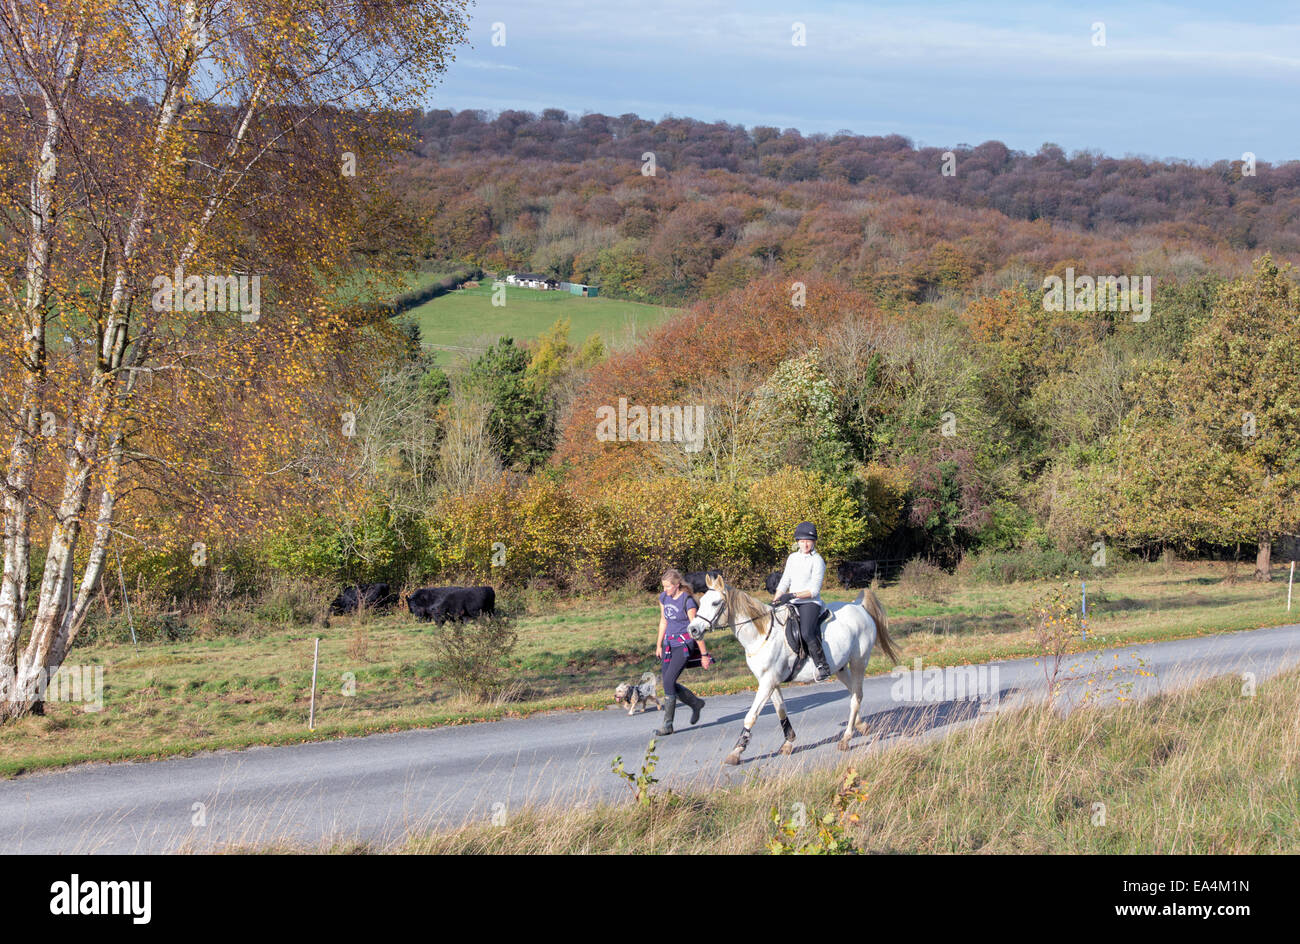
[1290, 580]
[1083, 623]
[315, 660]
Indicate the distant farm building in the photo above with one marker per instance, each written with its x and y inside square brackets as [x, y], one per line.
[532, 280]
[580, 288]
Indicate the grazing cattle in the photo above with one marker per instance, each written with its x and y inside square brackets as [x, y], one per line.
[373, 596]
[440, 604]
[773, 581]
[423, 603]
[696, 579]
[856, 573]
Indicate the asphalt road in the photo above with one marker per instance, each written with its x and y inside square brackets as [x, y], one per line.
[380, 787]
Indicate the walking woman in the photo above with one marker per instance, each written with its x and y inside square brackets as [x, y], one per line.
[676, 610]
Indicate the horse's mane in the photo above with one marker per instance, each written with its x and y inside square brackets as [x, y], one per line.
[750, 608]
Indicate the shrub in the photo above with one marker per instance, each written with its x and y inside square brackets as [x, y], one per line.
[882, 493]
[598, 536]
[645, 525]
[1023, 564]
[1057, 625]
[378, 543]
[789, 496]
[309, 549]
[500, 533]
[474, 656]
[291, 602]
[924, 580]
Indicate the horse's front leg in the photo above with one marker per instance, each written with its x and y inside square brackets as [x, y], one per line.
[760, 699]
[779, 701]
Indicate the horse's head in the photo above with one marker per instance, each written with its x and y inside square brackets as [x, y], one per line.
[712, 608]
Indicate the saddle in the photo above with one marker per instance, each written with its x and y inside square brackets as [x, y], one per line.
[794, 638]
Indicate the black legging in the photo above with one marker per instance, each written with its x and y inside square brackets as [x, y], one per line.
[673, 665]
[809, 610]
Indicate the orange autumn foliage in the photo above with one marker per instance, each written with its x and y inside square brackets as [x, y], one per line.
[757, 325]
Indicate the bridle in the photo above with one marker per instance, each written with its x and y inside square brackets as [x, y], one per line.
[712, 623]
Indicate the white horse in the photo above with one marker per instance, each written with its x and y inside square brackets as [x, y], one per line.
[849, 635]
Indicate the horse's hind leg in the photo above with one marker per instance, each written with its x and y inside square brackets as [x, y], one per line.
[856, 670]
[778, 700]
[760, 699]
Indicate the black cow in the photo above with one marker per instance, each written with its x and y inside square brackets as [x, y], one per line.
[423, 603]
[773, 581]
[373, 596]
[455, 603]
[856, 573]
[696, 579]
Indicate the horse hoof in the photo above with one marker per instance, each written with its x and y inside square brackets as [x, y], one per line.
[843, 745]
[787, 748]
[862, 729]
[731, 760]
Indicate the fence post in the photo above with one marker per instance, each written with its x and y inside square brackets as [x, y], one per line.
[1084, 621]
[315, 660]
[126, 601]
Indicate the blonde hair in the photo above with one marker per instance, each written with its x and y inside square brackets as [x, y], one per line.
[674, 575]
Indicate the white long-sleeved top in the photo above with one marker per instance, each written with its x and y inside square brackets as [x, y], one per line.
[803, 572]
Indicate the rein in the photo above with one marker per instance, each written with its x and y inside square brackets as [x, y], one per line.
[726, 602]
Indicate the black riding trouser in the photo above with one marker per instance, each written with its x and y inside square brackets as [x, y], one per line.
[673, 665]
[809, 611]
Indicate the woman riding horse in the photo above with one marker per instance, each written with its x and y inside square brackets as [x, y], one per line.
[801, 584]
[852, 632]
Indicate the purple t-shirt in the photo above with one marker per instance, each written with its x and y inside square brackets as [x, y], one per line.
[675, 616]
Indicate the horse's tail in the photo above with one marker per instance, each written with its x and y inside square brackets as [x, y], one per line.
[877, 611]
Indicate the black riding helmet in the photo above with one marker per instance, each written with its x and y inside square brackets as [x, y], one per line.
[805, 529]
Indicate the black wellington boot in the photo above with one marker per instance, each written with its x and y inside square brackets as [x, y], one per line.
[692, 700]
[670, 708]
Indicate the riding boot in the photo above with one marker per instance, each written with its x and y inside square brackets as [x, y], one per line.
[814, 642]
[693, 701]
[670, 708]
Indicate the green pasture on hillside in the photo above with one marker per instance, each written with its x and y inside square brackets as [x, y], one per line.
[465, 321]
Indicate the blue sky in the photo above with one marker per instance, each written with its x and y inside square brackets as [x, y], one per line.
[1195, 81]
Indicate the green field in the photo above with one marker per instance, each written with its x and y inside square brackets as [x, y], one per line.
[243, 677]
[366, 286]
[465, 321]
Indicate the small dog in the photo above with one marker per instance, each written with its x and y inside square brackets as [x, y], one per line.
[640, 694]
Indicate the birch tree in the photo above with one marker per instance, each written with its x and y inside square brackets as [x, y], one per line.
[181, 182]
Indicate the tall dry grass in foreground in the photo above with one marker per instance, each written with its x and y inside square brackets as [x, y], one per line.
[1206, 770]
